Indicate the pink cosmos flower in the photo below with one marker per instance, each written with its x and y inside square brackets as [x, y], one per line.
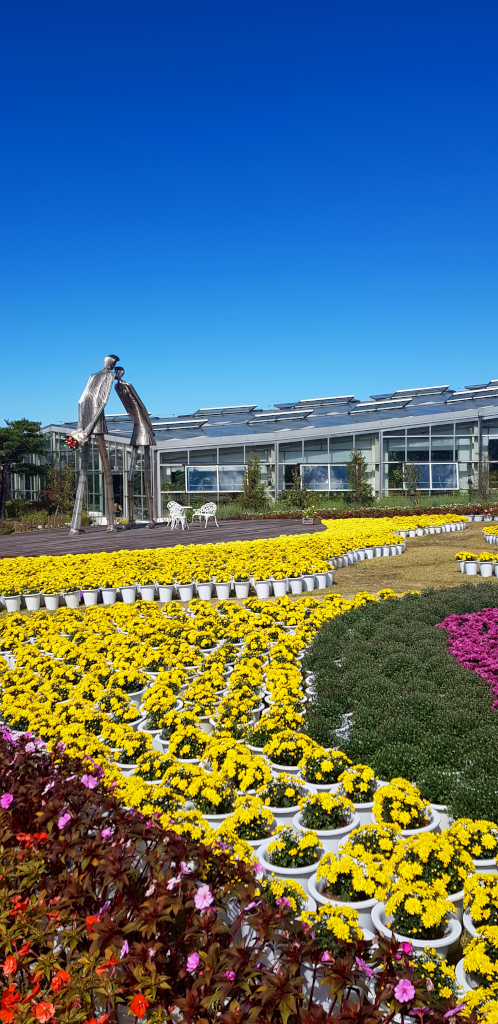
[230, 975]
[404, 991]
[6, 800]
[124, 949]
[106, 833]
[63, 820]
[203, 897]
[364, 967]
[192, 962]
[89, 781]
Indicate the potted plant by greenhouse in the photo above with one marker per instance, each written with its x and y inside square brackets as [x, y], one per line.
[282, 796]
[51, 600]
[32, 598]
[108, 589]
[12, 599]
[250, 821]
[279, 582]
[351, 880]
[480, 839]
[323, 768]
[434, 858]
[71, 596]
[241, 581]
[223, 584]
[287, 749]
[480, 903]
[486, 564]
[185, 587]
[400, 802]
[290, 854]
[166, 587]
[330, 815]
[359, 784]
[479, 964]
[204, 587]
[417, 912]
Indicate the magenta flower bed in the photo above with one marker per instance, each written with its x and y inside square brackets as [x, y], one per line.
[473, 641]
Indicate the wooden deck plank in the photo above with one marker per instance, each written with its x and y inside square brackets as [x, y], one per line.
[96, 538]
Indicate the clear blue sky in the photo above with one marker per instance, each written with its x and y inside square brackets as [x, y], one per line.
[246, 200]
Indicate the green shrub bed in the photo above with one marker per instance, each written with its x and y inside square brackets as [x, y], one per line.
[412, 710]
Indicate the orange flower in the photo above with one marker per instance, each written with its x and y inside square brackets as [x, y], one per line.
[9, 999]
[10, 965]
[44, 1011]
[24, 950]
[59, 980]
[139, 1005]
[112, 962]
[89, 921]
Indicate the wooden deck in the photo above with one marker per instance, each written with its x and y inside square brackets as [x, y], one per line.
[96, 538]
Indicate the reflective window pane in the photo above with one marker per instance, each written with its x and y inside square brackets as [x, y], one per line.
[444, 477]
[174, 458]
[442, 449]
[172, 478]
[266, 452]
[231, 456]
[394, 449]
[203, 456]
[417, 449]
[290, 451]
[419, 431]
[339, 480]
[202, 479]
[340, 448]
[368, 445]
[315, 477]
[424, 481]
[230, 478]
[316, 450]
[465, 428]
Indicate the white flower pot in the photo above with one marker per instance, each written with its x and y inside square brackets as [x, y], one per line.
[51, 602]
[284, 815]
[471, 568]
[301, 875]
[296, 585]
[457, 899]
[277, 769]
[32, 602]
[386, 550]
[241, 589]
[204, 591]
[486, 867]
[147, 591]
[329, 838]
[129, 594]
[137, 697]
[90, 597]
[462, 567]
[486, 568]
[369, 552]
[433, 825]
[205, 724]
[125, 769]
[13, 604]
[166, 592]
[279, 587]
[72, 598]
[464, 981]
[449, 939]
[469, 925]
[263, 588]
[185, 591]
[308, 583]
[444, 818]
[364, 907]
[321, 580]
[223, 591]
[108, 595]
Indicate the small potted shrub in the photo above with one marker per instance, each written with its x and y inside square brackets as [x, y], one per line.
[32, 598]
[290, 854]
[432, 858]
[323, 768]
[353, 881]
[479, 965]
[359, 783]
[284, 894]
[480, 902]
[416, 912]
[213, 796]
[330, 815]
[188, 743]
[250, 821]
[480, 839]
[400, 803]
[283, 795]
[287, 750]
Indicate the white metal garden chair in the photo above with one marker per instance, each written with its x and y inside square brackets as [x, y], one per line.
[206, 512]
[178, 515]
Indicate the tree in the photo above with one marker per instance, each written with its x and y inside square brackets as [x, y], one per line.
[253, 495]
[360, 491]
[60, 489]
[17, 439]
[411, 480]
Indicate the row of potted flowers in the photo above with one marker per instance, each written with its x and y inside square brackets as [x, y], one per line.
[485, 564]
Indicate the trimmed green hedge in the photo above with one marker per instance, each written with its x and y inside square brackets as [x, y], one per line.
[415, 711]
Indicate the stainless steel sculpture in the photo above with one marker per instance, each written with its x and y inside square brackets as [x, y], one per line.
[143, 434]
[91, 420]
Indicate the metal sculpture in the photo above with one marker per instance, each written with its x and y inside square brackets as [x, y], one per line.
[143, 434]
[91, 420]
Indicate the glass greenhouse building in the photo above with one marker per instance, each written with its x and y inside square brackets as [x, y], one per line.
[445, 433]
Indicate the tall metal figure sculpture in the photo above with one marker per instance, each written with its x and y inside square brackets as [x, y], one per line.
[91, 420]
[143, 434]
